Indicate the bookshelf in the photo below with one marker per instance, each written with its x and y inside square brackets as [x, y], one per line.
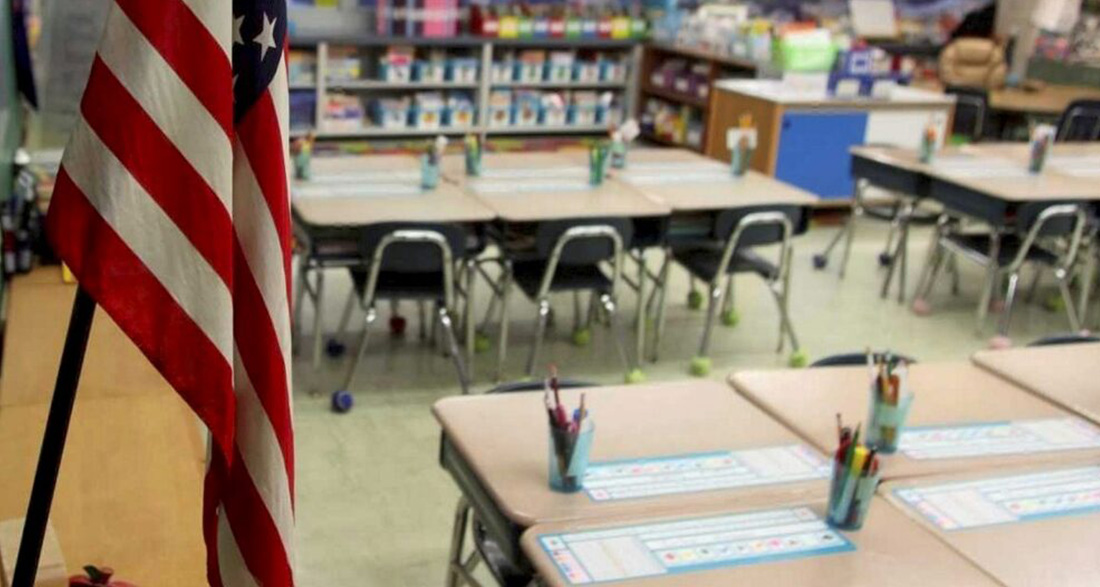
[346, 88]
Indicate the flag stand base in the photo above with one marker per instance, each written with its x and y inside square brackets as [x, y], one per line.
[53, 441]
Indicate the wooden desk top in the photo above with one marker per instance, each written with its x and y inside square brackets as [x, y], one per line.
[504, 439]
[500, 166]
[1058, 550]
[39, 305]
[333, 203]
[1051, 100]
[553, 186]
[807, 401]
[645, 169]
[1068, 375]
[999, 170]
[890, 550]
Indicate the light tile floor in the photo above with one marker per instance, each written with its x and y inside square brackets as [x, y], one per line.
[374, 508]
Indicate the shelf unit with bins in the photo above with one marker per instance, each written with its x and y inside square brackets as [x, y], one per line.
[692, 104]
[309, 96]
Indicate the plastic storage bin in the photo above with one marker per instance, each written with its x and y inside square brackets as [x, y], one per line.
[462, 70]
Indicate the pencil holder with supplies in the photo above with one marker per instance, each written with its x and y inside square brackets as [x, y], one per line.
[570, 439]
[890, 401]
[853, 482]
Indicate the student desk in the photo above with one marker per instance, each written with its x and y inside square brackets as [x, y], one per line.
[129, 494]
[1068, 375]
[496, 449]
[889, 550]
[1019, 537]
[1049, 101]
[346, 194]
[946, 395]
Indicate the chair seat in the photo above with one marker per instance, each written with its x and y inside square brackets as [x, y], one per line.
[702, 263]
[396, 284]
[528, 276]
[977, 246]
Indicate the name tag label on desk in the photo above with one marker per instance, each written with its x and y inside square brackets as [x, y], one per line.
[383, 176]
[694, 176]
[650, 167]
[377, 190]
[698, 544]
[1076, 165]
[632, 479]
[532, 172]
[1006, 500]
[495, 189]
[969, 166]
[999, 438]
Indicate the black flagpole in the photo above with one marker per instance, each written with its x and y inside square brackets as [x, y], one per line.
[53, 442]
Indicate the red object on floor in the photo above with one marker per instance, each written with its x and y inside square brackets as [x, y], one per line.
[97, 577]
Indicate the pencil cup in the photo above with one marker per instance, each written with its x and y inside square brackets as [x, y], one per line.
[1041, 138]
[429, 173]
[618, 155]
[886, 423]
[597, 164]
[302, 164]
[739, 159]
[569, 457]
[849, 499]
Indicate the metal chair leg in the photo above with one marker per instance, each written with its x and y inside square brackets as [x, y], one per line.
[712, 307]
[898, 261]
[362, 350]
[300, 294]
[930, 258]
[938, 262]
[345, 316]
[443, 316]
[639, 314]
[956, 275]
[1036, 277]
[468, 317]
[505, 295]
[660, 290]
[608, 305]
[458, 541]
[318, 334]
[578, 311]
[1075, 320]
[540, 332]
[422, 318]
[1010, 301]
[850, 226]
[991, 278]
[728, 303]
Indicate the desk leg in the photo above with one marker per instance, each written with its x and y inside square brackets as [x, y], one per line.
[659, 290]
[318, 329]
[991, 277]
[468, 317]
[898, 260]
[300, 297]
[850, 226]
[1088, 278]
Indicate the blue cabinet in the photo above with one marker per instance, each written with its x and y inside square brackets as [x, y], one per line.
[813, 150]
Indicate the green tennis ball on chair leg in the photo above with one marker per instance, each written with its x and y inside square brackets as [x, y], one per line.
[635, 376]
[798, 359]
[482, 343]
[695, 299]
[731, 318]
[582, 336]
[700, 366]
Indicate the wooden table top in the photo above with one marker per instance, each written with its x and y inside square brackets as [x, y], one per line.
[511, 165]
[889, 550]
[807, 400]
[504, 439]
[1057, 550]
[999, 170]
[1051, 100]
[688, 182]
[1068, 375]
[362, 190]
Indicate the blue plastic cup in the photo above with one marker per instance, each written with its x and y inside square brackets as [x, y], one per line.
[429, 173]
[568, 457]
[739, 160]
[886, 423]
[848, 506]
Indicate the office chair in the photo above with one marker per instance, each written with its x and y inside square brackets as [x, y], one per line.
[1004, 254]
[1080, 122]
[410, 261]
[508, 573]
[568, 256]
[971, 112]
[735, 234]
[857, 359]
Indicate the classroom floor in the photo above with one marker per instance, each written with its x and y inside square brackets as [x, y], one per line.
[374, 508]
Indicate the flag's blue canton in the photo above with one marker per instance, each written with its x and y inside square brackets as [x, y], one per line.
[259, 31]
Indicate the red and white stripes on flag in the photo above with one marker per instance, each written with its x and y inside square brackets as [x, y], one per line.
[172, 211]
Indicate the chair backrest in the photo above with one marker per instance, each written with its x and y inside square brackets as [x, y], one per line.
[973, 62]
[855, 359]
[971, 111]
[1059, 224]
[412, 257]
[1080, 121]
[585, 251]
[518, 386]
[1058, 339]
[727, 220]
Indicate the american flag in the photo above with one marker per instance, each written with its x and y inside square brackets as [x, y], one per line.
[171, 208]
